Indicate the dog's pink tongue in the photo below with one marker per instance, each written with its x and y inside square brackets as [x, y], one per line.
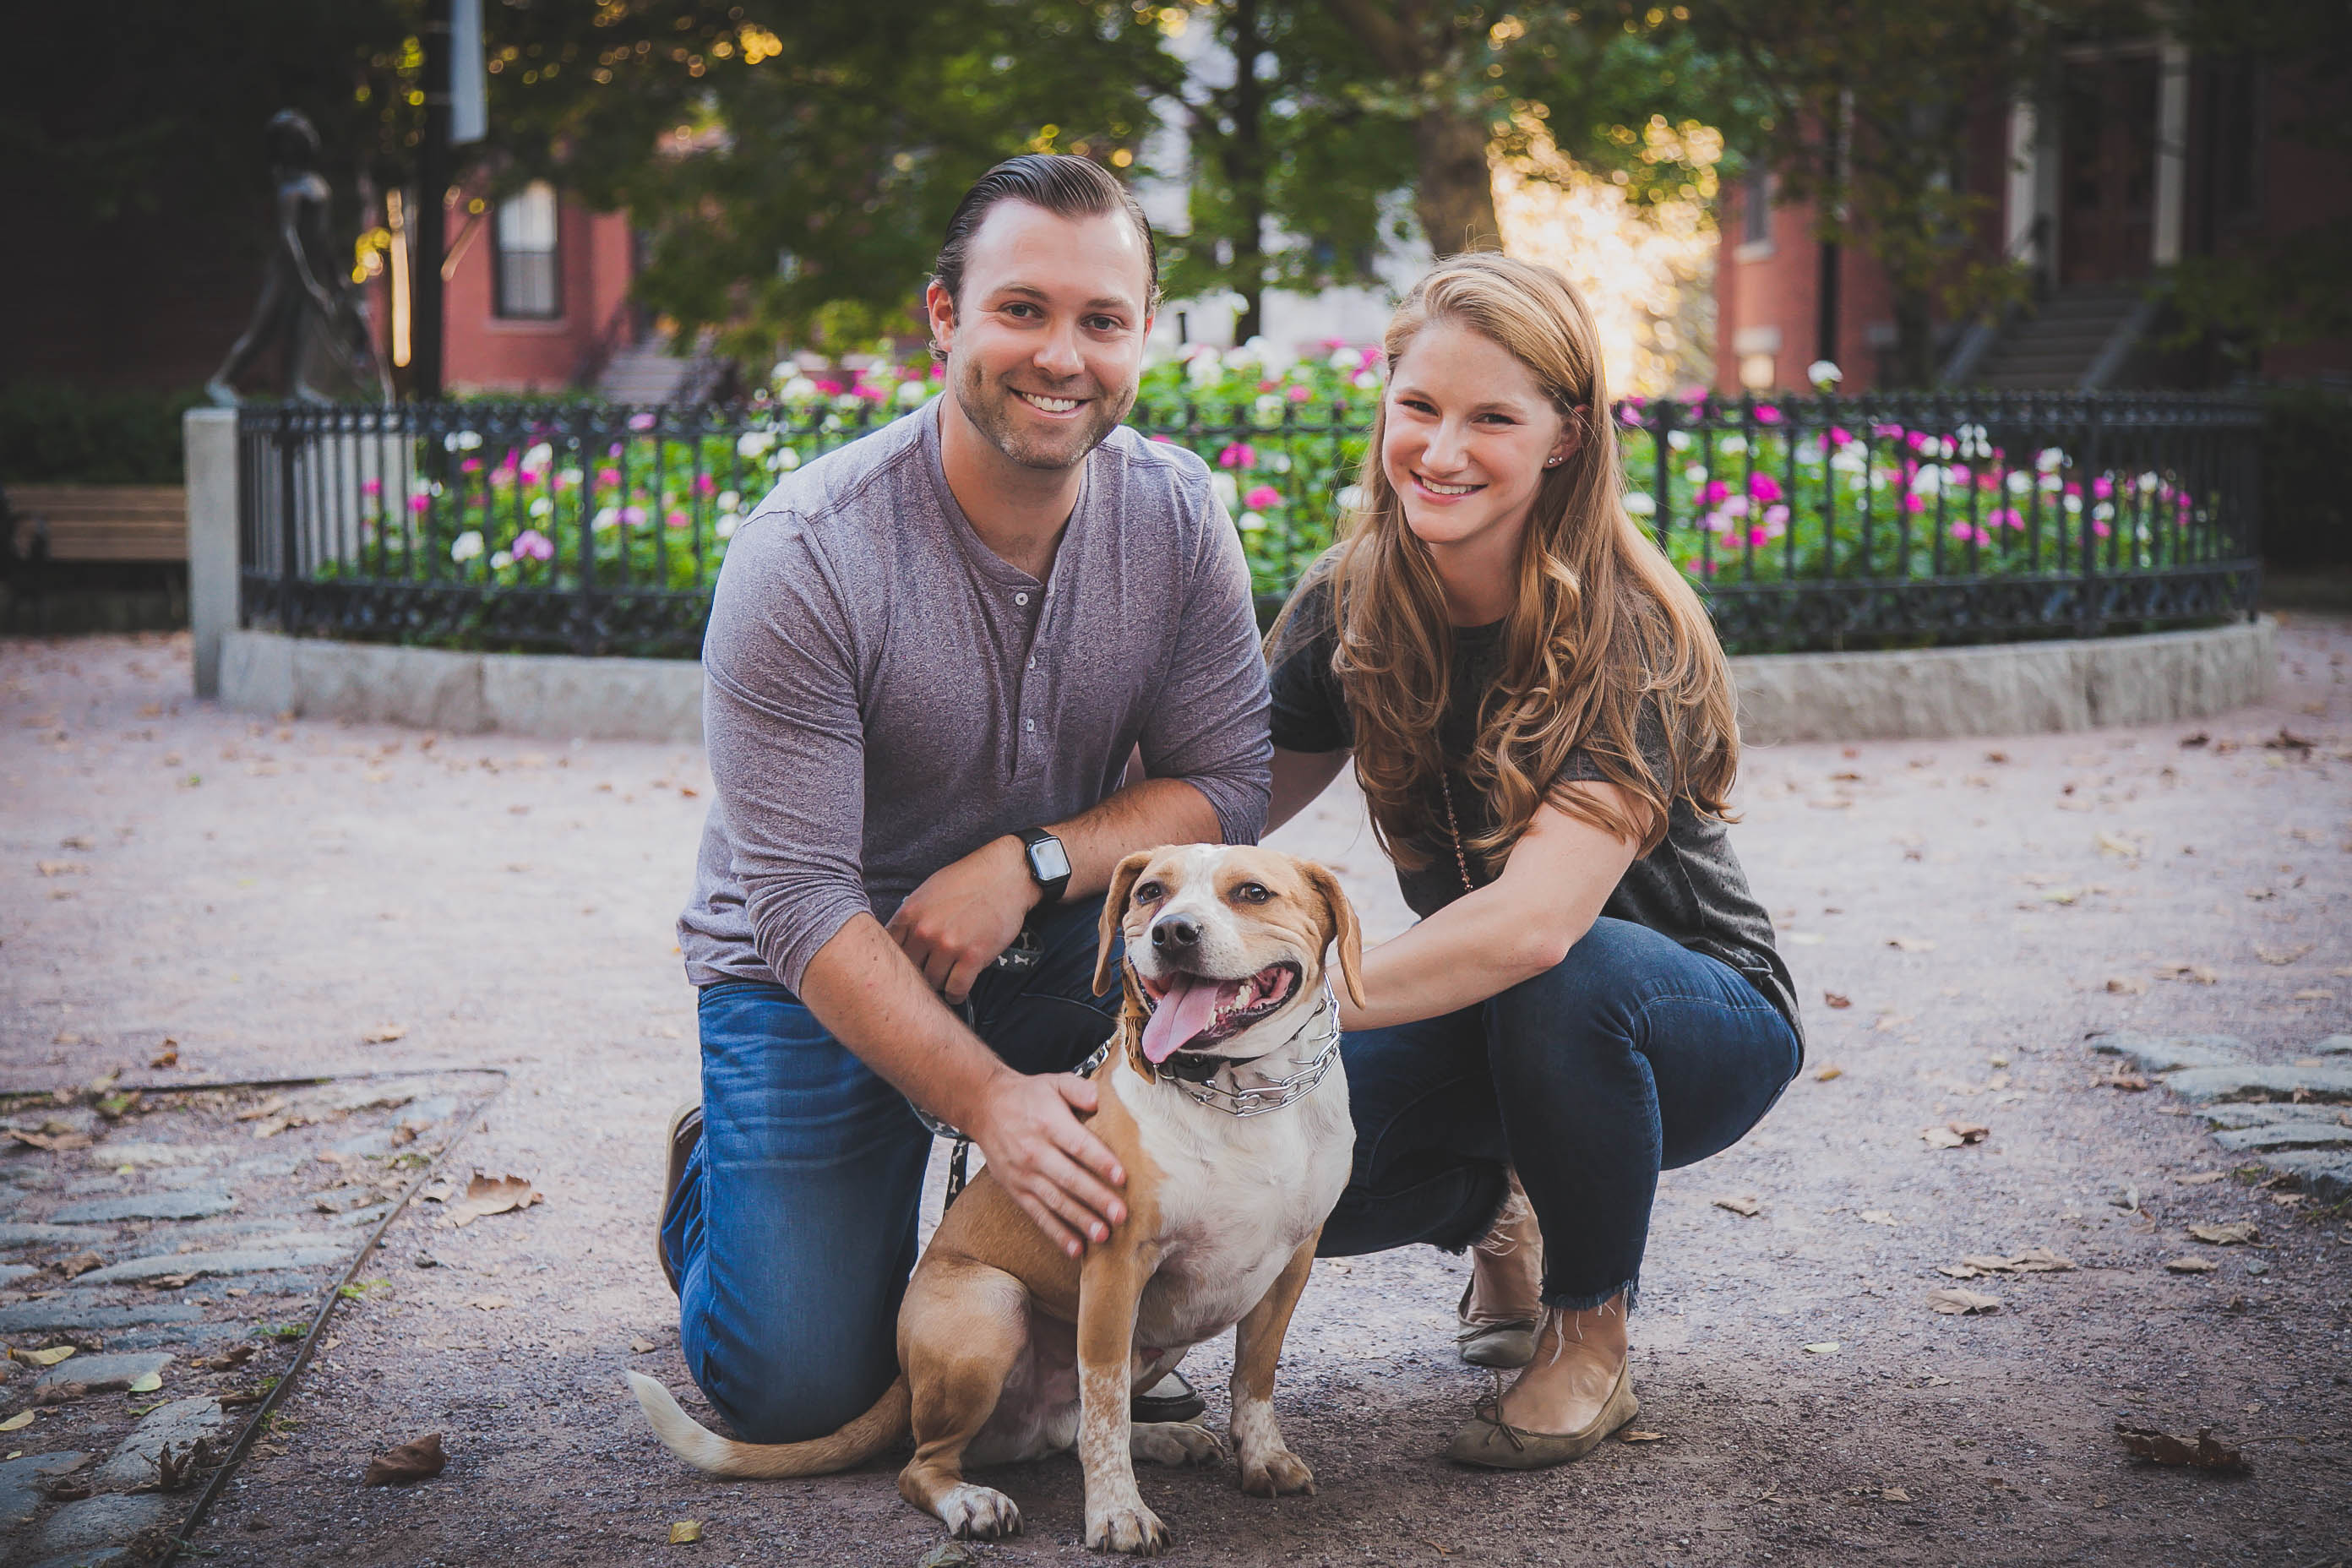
[1183, 1013]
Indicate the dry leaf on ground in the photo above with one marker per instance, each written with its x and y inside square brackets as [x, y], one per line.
[2201, 1178]
[50, 1357]
[79, 1264]
[2118, 1076]
[1894, 1494]
[1629, 1435]
[1827, 1347]
[270, 1107]
[2032, 1260]
[2237, 1233]
[2126, 985]
[18, 1422]
[1837, 998]
[684, 1532]
[2207, 1452]
[2279, 956]
[641, 1346]
[1824, 1073]
[1745, 1208]
[2191, 1264]
[415, 1461]
[54, 1142]
[488, 1303]
[1954, 1301]
[1879, 1216]
[146, 1382]
[1955, 1134]
[493, 1194]
[384, 1035]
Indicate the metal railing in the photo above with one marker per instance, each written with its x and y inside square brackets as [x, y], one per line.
[1898, 521]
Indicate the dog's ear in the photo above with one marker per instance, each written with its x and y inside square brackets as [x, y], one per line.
[1343, 929]
[1113, 910]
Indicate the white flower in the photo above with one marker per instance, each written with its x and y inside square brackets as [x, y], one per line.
[1269, 407]
[538, 458]
[1345, 358]
[1246, 356]
[2104, 511]
[1695, 473]
[570, 476]
[730, 500]
[1370, 380]
[911, 393]
[1251, 522]
[725, 527]
[501, 560]
[1203, 368]
[751, 443]
[2050, 459]
[783, 370]
[1730, 445]
[606, 520]
[1275, 462]
[421, 486]
[2073, 505]
[2147, 484]
[1680, 440]
[2050, 484]
[466, 546]
[2018, 483]
[798, 389]
[1824, 374]
[786, 461]
[1639, 504]
[542, 505]
[1927, 481]
[1350, 499]
[461, 440]
[1228, 493]
[1850, 459]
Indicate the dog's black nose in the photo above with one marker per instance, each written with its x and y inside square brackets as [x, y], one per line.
[1176, 933]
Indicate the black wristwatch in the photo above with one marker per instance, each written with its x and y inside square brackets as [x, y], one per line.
[1049, 864]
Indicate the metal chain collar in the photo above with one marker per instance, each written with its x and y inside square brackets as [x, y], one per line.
[1277, 1093]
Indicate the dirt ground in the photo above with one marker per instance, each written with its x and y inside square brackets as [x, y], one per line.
[270, 895]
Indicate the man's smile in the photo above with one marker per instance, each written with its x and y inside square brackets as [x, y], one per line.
[1044, 404]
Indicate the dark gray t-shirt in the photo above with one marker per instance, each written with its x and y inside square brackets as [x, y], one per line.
[1689, 888]
[883, 694]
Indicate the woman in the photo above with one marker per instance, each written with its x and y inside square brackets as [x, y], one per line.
[1541, 720]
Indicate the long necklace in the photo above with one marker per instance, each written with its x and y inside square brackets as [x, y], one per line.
[1453, 828]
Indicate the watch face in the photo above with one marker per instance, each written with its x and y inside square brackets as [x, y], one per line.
[1047, 861]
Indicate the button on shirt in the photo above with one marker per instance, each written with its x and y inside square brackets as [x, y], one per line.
[883, 694]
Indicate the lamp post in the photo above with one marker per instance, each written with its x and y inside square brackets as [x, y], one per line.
[432, 188]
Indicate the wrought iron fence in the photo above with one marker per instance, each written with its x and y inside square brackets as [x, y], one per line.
[1805, 524]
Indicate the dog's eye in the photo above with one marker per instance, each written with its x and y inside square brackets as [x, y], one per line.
[1147, 893]
[1251, 893]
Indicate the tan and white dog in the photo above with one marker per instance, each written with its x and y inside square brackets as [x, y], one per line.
[1224, 1097]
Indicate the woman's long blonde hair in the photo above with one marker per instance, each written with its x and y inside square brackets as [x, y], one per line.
[1599, 625]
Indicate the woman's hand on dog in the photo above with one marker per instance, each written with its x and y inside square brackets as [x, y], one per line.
[1059, 1172]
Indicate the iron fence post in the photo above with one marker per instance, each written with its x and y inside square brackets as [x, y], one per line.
[288, 557]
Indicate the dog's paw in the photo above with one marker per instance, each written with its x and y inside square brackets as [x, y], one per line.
[1134, 1530]
[1174, 1442]
[979, 1513]
[1280, 1473]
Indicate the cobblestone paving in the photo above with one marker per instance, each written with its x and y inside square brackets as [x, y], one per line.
[2125, 954]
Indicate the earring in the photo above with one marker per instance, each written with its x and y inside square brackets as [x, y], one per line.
[1551, 462]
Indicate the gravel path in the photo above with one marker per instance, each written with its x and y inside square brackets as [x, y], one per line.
[271, 897]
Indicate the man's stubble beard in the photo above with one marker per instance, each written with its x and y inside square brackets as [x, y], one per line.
[988, 405]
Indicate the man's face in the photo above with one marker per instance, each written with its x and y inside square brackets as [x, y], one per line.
[1046, 343]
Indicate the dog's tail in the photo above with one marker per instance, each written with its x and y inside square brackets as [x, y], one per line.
[868, 1435]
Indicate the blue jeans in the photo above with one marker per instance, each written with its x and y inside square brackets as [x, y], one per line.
[793, 1230]
[1634, 1054]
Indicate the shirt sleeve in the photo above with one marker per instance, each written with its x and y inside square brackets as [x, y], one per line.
[787, 747]
[1207, 726]
[1309, 707]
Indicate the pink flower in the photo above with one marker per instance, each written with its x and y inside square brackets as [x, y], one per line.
[608, 476]
[1840, 438]
[704, 485]
[1240, 454]
[830, 388]
[1966, 532]
[1914, 502]
[2103, 486]
[1267, 385]
[1716, 522]
[532, 546]
[1764, 486]
[1628, 417]
[1776, 518]
[470, 465]
[679, 519]
[1261, 498]
[1958, 473]
[1299, 393]
[1161, 439]
[372, 488]
[1714, 493]
[1767, 415]
[634, 516]
[2101, 529]
[1759, 535]
[420, 504]
[1887, 432]
[1703, 568]
[2073, 489]
[938, 373]
[641, 421]
[1373, 357]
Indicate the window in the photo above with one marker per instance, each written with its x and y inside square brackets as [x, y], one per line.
[1756, 207]
[528, 280]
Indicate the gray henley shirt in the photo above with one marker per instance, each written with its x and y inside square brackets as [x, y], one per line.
[883, 694]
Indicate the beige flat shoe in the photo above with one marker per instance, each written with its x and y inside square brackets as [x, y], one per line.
[1504, 1345]
[1489, 1441]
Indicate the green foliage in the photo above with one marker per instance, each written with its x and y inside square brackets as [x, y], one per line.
[2307, 521]
[63, 435]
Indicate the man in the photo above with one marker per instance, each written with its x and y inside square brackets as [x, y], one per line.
[931, 656]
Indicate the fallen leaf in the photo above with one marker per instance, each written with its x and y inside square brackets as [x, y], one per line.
[2314, 996]
[2279, 956]
[2201, 1178]
[70, 1491]
[415, 1461]
[2118, 1076]
[956, 1554]
[489, 1303]
[1952, 1299]
[2237, 1233]
[684, 1532]
[1629, 1435]
[1894, 1494]
[2191, 1264]
[641, 1346]
[2115, 844]
[270, 1107]
[50, 1357]
[60, 867]
[2190, 743]
[2126, 984]
[55, 1141]
[61, 1393]
[1941, 1138]
[228, 1358]
[2059, 895]
[1827, 1347]
[146, 1382]
[1837, 999]
[1879, 1216]
[1911, 943]
[384, 1035]
[79, 1264]
[493, 1194]
[1960, 1270]
[18, 1422]
[2207, 1453]
[1824, 1073]
[1745, 1208]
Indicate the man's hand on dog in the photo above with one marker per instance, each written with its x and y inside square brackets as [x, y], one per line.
[1055, 1167]
[963, 914]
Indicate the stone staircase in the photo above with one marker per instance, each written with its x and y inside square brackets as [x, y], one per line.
[645, 372]
[2078, 339]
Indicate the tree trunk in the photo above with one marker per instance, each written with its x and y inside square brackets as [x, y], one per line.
[1245, 167]
[1456, 200]
[1915, 339]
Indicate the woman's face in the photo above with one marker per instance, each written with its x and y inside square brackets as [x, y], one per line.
[1468, 437]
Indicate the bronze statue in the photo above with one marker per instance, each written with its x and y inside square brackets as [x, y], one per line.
[307, 305]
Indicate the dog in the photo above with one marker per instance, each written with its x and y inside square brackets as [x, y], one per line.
[1223, 1096]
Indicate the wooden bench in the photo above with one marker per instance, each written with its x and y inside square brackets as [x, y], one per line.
[102, 523]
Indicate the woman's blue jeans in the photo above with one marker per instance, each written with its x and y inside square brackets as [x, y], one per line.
[1634, 1054]
[793, 1230]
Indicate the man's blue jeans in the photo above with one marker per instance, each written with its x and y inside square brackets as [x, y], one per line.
[793, 1230]
[1634, 1054]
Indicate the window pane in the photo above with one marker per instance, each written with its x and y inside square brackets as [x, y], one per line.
[526, 219]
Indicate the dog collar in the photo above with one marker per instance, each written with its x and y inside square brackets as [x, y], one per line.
[1218, 1089]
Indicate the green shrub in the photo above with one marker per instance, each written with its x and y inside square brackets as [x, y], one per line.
[52, 433]
[2306, 433]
